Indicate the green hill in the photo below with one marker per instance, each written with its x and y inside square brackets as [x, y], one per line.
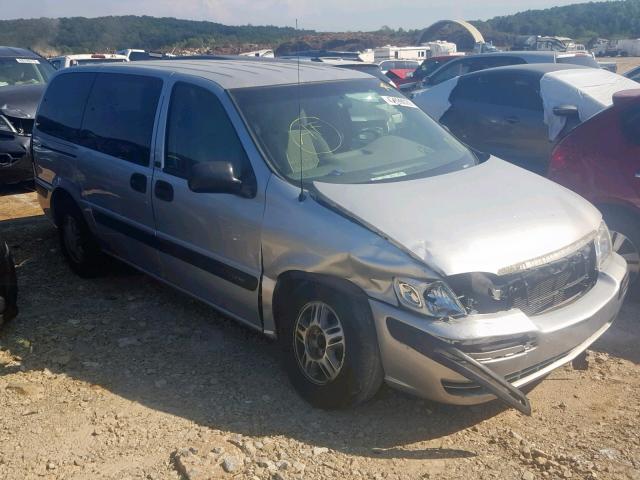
[613, 19]
[610, 19]
[79, 34]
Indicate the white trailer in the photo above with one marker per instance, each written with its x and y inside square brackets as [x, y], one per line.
[629, 47]
[389, 52]
[440, 48]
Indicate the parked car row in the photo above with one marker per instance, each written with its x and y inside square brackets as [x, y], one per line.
[284, 197]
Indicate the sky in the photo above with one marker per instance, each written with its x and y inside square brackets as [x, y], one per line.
[323, 15]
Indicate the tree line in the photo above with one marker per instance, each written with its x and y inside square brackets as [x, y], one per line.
[609, 19]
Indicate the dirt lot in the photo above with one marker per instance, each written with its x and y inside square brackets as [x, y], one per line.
[122, 378]
[624, 63]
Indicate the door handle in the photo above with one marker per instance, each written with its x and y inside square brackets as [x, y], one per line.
[164, 191]
[637, 175]
[138, 182]
[512, 120]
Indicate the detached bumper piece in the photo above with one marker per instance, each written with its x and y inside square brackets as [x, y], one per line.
[451, 357]
[8, 285]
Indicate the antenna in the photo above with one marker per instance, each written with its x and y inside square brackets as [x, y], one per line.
[301, 197]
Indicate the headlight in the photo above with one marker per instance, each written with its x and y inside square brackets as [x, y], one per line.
[603, 244]
[5, 125]
[434, 299]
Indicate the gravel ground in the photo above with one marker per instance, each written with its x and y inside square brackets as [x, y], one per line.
[123, 378]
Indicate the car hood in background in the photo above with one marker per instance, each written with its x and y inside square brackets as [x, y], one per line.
[20, 101]
[486, 218]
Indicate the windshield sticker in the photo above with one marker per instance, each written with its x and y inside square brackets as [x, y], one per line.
[391, 175]
[28, 60]
[399, 102]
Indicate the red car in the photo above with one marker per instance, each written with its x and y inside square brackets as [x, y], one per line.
[600, 160]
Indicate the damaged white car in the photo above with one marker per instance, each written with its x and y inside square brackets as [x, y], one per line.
[323, 208]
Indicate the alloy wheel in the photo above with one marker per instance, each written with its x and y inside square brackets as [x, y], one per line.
[319, 342]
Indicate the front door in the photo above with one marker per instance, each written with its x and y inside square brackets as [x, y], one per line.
[209, 243]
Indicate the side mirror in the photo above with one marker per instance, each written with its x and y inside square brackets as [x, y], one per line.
[426, 81]
[565, 110]
[217, 177]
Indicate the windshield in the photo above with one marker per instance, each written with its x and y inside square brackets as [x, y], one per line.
[359, 131]
[24, 71]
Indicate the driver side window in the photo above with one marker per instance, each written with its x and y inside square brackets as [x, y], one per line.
[199, 130]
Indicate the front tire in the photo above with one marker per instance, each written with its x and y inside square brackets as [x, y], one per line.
[625, 237]
[330, 347]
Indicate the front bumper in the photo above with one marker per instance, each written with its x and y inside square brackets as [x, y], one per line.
[516, 348]
[15, 159]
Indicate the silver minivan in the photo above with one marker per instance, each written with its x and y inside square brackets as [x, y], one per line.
[321, 207]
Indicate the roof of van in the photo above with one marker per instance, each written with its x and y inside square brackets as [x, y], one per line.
[231, 74]
[17, 52]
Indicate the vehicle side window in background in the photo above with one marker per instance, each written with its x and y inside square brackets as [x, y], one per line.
[630, 120]
[120, 115]
[448, 72]
[199, 130]
[504, 90]
[635, 75]
[60, 113]
[519, 92]
[477, 88]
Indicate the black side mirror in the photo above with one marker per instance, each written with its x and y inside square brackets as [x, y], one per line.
[565, 110]
[218, 177]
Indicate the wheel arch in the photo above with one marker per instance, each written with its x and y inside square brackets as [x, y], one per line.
[60, 197]
[606, 207]
[293, 280]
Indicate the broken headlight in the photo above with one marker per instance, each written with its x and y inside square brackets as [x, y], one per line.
[5, 125]
[434, 299]
[603, 244]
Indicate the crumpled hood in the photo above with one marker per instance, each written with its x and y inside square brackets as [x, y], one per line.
[20, 101]
[482, 219]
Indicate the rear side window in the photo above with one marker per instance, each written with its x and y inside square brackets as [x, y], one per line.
[60, 113]
[515, 91]
[120, 115]
[199, 130]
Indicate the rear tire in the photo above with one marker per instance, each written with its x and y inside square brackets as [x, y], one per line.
[330, 347]
[77, 243]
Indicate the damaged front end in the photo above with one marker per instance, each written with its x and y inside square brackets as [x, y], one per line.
[15, 139]
[533, 291]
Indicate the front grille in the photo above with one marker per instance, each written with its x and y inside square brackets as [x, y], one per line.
[24, 126]
[550, 286]
[464, 389]
[533, 291]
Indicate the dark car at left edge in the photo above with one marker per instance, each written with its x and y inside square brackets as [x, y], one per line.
[23, 77]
